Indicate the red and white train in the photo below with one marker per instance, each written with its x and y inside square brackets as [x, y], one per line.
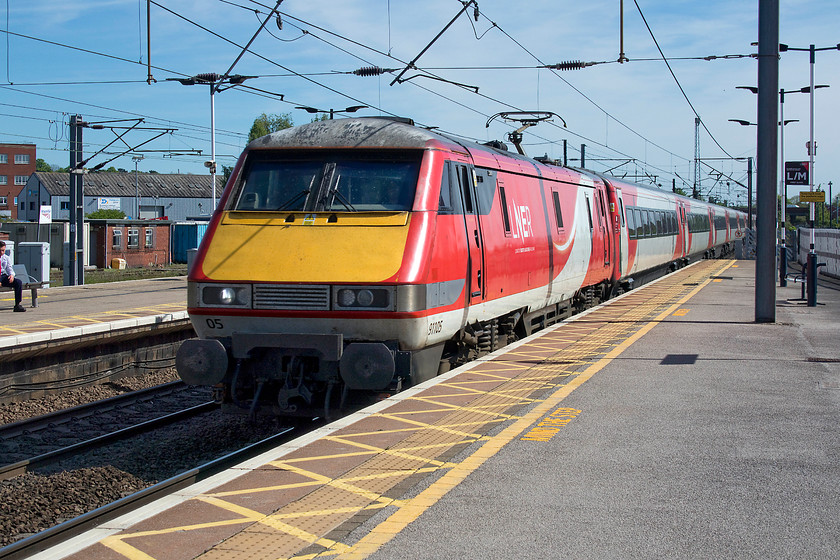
[369, 253]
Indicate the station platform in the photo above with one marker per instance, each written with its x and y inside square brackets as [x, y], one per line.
[90, 308]
[78, 334]
[665, 423]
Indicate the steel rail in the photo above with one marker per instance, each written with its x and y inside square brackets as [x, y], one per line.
[85, 410]
[15, 469]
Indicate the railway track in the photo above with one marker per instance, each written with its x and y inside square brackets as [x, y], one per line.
[37, 442]
[72, 527]
[159, 439]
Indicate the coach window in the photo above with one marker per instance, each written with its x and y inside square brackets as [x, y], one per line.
[503, 202]
[631, 223]
[647, 221]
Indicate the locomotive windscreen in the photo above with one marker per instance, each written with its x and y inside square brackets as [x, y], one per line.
[345, 181]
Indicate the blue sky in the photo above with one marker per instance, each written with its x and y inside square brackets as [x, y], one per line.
[632, 117]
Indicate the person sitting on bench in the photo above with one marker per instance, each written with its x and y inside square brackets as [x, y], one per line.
[7, 277]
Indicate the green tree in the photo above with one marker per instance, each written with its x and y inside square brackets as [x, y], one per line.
[104, 214]
[266, 124]
[41, 165]
[226, 171]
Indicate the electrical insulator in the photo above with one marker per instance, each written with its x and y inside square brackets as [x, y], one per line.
[570, 65]
[808, 148]
[369, 71]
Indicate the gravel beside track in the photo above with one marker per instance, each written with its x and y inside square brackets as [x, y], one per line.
[12, 412]
[33, 502]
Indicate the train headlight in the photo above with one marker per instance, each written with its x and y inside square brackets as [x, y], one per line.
[374, 299]
[227, 296]
[365, 298]
[214, 295]
[346, 298]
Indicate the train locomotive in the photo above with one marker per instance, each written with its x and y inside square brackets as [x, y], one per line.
[366, 254]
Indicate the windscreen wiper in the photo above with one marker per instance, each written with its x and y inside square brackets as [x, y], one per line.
[294, 199]
[337, 194]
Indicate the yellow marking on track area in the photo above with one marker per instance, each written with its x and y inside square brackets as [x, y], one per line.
[681, 312]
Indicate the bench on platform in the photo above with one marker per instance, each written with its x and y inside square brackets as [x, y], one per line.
[28, 282]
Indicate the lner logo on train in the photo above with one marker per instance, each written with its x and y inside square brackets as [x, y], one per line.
[522, 220]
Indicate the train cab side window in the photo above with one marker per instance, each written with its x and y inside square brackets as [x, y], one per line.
[621, 212]
[589, 212]
[464, 179]
[445, 205]
[450, 192]
[558, 213]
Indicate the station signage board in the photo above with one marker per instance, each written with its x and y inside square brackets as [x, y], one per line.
[812, 196]
[105, 203]
[796, 173]
[45, 215]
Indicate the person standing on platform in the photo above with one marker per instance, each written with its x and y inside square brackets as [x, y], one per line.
[7, 277]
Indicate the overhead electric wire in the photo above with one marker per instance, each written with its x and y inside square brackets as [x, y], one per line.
[679, 85]
[688, 160]
[88, 51]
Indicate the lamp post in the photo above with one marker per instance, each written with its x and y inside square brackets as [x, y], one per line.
[811, 272]
[783, 178]
[332, 112]
[136, 160]
[215, 81]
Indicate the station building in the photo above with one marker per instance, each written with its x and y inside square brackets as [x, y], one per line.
[143, 196]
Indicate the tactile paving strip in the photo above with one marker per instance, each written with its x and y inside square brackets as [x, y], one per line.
[310, 502]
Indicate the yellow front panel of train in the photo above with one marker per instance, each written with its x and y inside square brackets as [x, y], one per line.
[313, 248]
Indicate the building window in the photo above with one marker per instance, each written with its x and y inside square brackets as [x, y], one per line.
[21, 159]
[4, 201]
[21, 179]
[4, 180]
[32, 206]
[133, 238]
[65, 205]
[4, 158]
[150, 237]
[117, 239]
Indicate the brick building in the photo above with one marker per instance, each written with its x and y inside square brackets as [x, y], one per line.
[140, 243]
[17, 163]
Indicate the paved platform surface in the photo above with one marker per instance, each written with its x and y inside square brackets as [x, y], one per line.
[712, 437]
[666, 424]
[69, 311]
